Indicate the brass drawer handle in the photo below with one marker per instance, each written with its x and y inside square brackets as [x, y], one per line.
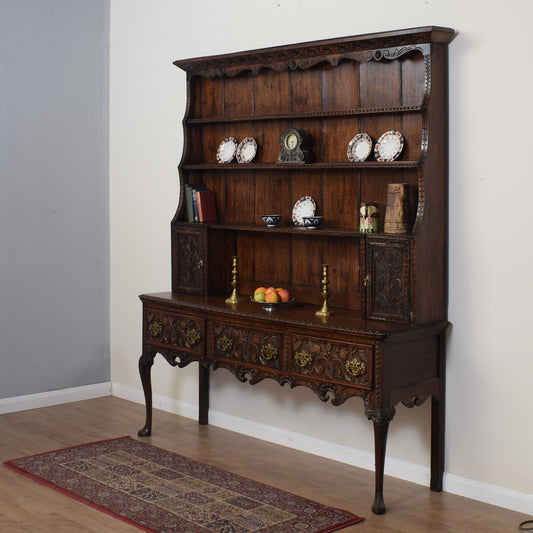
[269, 351]
[355, 367]
[193, 336]
[155, 329]
[303, 358]
[224, 344]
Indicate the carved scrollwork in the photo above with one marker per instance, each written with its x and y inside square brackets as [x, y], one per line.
[174, 331]
[389, 289]
[415, 401]
[252, 346]
[307, 57]
[190, 261]
[342, 362]
[379, 415]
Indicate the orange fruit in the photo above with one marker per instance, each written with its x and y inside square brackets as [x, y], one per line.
[272, 297]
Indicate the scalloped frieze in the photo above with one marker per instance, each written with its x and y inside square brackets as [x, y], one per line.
[303, 57]
[337, 393]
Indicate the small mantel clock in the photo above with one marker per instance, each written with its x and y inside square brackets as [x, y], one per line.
[295, 146]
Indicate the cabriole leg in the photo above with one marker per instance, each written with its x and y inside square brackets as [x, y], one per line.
[145, 367]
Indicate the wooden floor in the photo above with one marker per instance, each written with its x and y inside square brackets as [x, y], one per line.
[28, 506]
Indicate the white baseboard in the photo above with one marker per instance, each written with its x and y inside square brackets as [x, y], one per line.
[476, 490]
[45, 399]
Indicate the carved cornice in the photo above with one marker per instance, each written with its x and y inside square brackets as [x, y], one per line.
[376, 47]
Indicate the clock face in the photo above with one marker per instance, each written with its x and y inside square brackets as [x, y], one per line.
[291, 141]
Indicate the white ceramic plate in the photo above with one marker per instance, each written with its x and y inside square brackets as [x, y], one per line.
[359, 148]
[246, 150]
[389, 146]
[226, 150]
[304, 207]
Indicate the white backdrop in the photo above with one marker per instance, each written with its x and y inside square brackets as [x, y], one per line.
[490, 360]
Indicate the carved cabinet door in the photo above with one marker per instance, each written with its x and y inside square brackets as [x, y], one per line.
[188, 259]
[387, 279]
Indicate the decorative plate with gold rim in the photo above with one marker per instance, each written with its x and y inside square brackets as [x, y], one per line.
[304, 207]
[389, 146]
[226, 150]
[359, 148]
[246, 150]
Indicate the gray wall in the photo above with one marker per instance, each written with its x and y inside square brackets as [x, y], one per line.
[54, 195]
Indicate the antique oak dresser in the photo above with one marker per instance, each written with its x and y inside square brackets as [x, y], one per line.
[383, 294]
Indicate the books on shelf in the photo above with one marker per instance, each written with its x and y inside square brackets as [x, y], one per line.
[200, 204]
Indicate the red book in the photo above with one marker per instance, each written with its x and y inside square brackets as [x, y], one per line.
[207, 211]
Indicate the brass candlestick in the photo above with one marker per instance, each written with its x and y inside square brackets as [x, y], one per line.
[324, 311]
[233, 299]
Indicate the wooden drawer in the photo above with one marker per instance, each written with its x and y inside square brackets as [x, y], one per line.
[174, 331]
[332, 361]
[247, 345]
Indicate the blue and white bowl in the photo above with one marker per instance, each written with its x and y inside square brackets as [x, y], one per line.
[312, 222]
[271, 221]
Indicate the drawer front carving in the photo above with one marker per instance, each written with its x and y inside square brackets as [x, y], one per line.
[247, 345]
[332, 361]
[175, 331]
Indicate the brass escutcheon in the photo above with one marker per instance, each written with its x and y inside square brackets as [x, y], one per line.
[355, 367]
[155, 329]
[224, 344]
[269, 351]
[303, 358]
[192, 336]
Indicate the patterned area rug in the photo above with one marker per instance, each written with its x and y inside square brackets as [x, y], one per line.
[159, 491]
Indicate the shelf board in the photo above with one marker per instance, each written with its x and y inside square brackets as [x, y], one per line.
[293, 230]
[297, 230]
[309, 114]
[306, 166]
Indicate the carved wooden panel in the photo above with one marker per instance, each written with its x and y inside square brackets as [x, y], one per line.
[174, 331]
[388, 280]
[332, 361]
[247, 345]
[188, 259]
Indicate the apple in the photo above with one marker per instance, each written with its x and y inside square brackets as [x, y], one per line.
[259, 296]
[283, 294]
[270, 289]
